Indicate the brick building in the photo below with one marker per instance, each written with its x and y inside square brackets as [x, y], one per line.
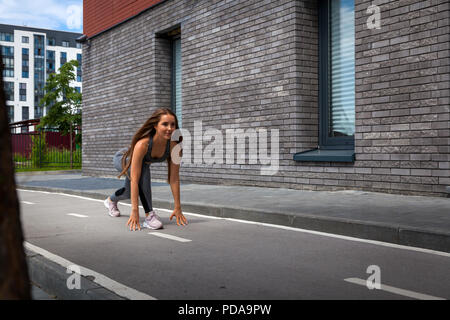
[360, 100]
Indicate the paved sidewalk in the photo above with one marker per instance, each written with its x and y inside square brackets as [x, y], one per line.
[407, 220]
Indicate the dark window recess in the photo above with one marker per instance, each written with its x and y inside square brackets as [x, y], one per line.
[336, 83]
[175, 36]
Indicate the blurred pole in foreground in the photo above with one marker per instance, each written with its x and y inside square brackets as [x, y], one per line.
[14, 279]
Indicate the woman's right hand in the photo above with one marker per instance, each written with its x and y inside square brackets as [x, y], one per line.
[133, 222]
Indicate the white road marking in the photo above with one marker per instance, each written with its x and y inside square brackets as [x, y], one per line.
[27, 202]
[168, 236]
[102, 280]
[330, 235]
[77, 215]
[403, 292]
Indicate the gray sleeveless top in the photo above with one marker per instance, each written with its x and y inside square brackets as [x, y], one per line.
[148, 155]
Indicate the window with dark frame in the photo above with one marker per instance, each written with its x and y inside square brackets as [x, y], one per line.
[336, 84]
[337, 74]
[25, 116]
[25, 62]
[39, 69]
[25, 113]
[63, 58]
[8, 61]
[22, 92]
[10, 114]
[50, 63]
[9, 90]
[5, 36]
[38, 112]
[176, 74]
[79, 59]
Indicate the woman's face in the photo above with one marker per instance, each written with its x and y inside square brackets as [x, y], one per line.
[166, 126]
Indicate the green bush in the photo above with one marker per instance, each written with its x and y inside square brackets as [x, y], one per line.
[39, 149]
[63, 155]
[19, 157]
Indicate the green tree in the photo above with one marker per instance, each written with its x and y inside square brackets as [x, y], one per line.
[63, 102]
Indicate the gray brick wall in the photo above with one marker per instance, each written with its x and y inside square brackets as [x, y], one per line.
[253, 64]
[402, 96]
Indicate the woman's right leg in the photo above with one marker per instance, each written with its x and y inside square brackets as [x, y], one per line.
[120, 194]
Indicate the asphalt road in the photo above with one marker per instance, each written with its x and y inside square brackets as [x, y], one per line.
[214, 258]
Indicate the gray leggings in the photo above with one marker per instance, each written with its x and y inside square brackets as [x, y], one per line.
[145, 190]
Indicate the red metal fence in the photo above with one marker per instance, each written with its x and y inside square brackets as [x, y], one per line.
[47, 147]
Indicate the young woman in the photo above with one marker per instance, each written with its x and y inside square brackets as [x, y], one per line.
[151, 143]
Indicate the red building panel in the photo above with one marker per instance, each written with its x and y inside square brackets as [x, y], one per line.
[99, 15]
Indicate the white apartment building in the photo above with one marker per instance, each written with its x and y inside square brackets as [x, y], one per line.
[29, 56]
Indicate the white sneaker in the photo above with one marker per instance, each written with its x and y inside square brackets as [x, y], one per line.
[113, 211]
[153, 221]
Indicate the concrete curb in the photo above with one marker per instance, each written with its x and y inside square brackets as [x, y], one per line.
[52, 172]
[397, 234]
[53, 279]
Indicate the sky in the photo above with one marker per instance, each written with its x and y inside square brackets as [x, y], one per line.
[63, 15]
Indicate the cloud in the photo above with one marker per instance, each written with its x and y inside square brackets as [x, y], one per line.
[75, 18]
[46, 14]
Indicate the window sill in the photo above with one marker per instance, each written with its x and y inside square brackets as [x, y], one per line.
[318, 155]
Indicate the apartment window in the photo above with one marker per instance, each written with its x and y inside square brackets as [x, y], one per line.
[7, 51]
[5, 36]
[25, 113]
[50, 62]
[176, 78]
[25, 116]
[25, 62]
[337, 74]
[9, 90]
[65, 43]
[25, 39]
[38, 112]
[78, 45]
[63, 58]
[39, 69]
[8, 61]
[78, 89]
[51, 41]
[10, 114]
[22, 91]
[79, 67]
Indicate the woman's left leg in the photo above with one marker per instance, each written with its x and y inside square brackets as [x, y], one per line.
[145, 189]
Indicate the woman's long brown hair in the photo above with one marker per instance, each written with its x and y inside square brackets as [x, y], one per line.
[147, 128]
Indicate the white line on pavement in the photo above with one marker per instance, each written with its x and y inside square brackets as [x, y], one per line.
[27, 202]
[403, 292]
[77, 215]
[331, 235]
[102, 280]
[168, 236]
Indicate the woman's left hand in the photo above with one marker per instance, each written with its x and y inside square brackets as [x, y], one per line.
[181, 219]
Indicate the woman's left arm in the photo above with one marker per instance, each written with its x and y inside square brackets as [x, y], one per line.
[174, 181]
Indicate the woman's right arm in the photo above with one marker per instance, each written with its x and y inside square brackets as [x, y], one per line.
[139, 152]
